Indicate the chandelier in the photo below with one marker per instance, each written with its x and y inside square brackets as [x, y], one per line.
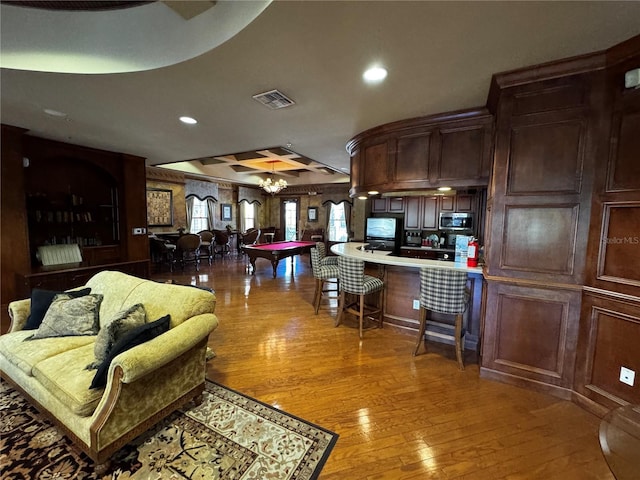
[273, 186]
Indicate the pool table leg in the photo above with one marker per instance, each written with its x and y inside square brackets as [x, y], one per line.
[252, 261]
[274, 264]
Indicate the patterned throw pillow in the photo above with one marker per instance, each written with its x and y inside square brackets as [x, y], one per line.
[41, 301]
[132, 338]
[113, 329]
[69, 316]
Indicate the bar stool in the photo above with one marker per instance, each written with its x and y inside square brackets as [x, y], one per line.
[444, 290]
[322, 274]
[354, 281]
[322, 252]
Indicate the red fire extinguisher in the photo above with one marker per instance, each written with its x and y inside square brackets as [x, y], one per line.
[472, 253]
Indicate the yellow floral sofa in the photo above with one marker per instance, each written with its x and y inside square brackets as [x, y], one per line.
[144, 383]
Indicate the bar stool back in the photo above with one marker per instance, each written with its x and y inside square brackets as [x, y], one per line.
[444, 290]
[322, 274]
[354, 281]
[324, 259]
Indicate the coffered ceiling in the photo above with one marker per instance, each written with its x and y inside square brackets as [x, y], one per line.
[439, 55]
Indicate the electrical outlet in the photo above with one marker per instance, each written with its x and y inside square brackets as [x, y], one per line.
[416, 304]
[627, 376]
[139, 231]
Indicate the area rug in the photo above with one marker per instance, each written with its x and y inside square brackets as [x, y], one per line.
[229, 436]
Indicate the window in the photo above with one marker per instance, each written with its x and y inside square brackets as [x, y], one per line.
[199, 220]
[338, 223]
[248, 215]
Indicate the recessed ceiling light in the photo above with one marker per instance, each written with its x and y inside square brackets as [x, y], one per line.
[444, 189]
[374, 74]
[344, 169]
[188, 120]
[362, 197]
[373, 192]
[54, 113]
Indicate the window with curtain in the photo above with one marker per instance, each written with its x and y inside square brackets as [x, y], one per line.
[338, 223]
[248, 216]
[199, 216]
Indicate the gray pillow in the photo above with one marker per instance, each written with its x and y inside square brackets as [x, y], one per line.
[113, 329]
[70, 316]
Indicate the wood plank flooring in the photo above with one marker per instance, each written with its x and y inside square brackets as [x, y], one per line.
[398, 416]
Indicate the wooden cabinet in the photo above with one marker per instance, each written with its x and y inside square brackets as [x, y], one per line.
[430, 213]
[68, 194]
[423, 213]
[451, 149]
[387, 205]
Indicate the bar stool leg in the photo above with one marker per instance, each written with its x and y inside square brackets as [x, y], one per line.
[340, 307]
[318, 294]
[361, 313]
[423, 326]
[381, 306]
[459, 341]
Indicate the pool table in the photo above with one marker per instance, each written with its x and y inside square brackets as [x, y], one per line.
[275, 251]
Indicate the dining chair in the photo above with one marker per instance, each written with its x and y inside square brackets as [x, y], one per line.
[188, 250]
[322, 274]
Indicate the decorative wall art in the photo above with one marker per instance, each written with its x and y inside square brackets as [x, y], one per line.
[225, 211]
[312, 214]
[159, 207]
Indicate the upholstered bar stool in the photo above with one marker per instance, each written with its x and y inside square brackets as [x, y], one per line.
[444, 290]
[354, 281]
[322, 274]
[324, 259]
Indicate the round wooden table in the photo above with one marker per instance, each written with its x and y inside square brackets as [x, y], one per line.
[620, 441]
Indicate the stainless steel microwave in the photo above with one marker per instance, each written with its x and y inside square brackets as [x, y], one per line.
[456, 221]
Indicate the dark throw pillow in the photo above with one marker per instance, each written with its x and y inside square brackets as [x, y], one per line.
[132, 338]
[40, 302]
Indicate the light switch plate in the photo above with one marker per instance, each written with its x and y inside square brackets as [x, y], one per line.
[416, 304]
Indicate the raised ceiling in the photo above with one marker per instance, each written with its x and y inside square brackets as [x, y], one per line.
[440, 57]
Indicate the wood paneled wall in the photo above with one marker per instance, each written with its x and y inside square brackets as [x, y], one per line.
[563, 289]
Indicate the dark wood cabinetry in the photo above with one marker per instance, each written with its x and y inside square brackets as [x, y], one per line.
[423, 213]
[55, 192]
[452, 149]
[387, 205]
[563, 290]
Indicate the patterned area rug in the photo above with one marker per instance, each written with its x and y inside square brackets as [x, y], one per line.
[228, 436]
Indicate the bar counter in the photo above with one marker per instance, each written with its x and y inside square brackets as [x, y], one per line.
[402, 287]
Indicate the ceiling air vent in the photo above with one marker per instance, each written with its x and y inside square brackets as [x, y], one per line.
[274, 99]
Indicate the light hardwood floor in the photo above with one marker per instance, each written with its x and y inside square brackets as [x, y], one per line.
[398, 416]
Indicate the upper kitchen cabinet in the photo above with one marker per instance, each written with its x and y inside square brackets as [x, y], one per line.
[450, 149]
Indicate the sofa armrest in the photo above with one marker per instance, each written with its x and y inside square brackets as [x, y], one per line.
[144, 359]
[18, 313]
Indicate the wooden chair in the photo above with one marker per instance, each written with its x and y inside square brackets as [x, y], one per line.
[162, 253]
[221, 243]
[250, 237]
[354, 281]
[188, 250]
[322, 274]
[444, 290]
[206, 245]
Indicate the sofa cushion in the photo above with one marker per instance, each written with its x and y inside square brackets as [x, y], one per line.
[114, 328]
[132, 338]
[40, 302]
[65, 377]
[25, 355]
[69, 315]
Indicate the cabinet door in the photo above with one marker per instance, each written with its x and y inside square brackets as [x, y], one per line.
[396, 205]
[376, 161]
[430, 213]
[463, 152]
[447, 204]
[412, 213]
[412, 158]
[379, 205]
[464, 203]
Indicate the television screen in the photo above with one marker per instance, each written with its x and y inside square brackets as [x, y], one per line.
[379, 228]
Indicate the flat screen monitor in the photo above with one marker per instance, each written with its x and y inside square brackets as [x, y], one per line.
[383, 233]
